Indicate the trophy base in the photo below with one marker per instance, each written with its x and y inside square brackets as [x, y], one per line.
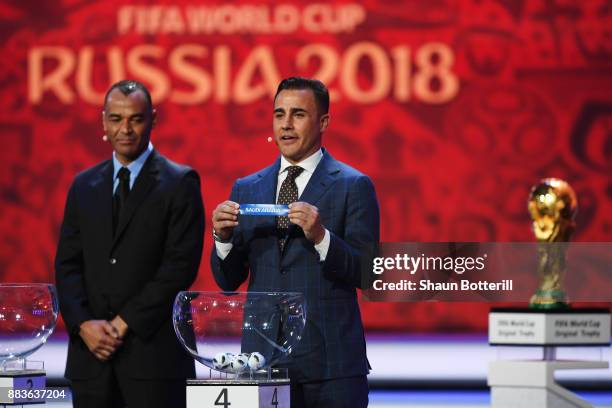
[527, 384]
[549, 306]
[269, 388]
[549, 327]
[549, 300]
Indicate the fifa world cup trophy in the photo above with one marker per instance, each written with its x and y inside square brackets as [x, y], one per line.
[552, 206]
[552, 323]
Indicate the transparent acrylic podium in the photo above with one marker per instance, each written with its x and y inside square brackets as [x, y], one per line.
[28, 315]
[241, 337]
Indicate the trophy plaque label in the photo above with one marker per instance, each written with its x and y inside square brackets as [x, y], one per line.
[533, 329]
[239, 394]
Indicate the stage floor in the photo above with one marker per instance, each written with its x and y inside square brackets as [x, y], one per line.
[423, 399]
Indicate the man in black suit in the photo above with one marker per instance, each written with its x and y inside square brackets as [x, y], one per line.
[131, 239]
[319, 249]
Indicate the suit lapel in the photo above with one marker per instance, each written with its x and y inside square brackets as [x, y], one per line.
[103, 186]
[264, 189]
[322, 178]
[146, 180]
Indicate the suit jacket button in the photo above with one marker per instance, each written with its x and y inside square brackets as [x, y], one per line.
[283, 271]
[113, 261]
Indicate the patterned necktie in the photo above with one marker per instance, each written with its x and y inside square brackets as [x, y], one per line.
[121, 195]
[288, 194]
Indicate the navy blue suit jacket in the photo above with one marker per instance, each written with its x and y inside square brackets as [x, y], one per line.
[333, 343]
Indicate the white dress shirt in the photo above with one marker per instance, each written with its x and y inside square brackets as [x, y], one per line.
[309, 165]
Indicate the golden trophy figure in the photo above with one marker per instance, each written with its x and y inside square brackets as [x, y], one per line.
[552, 205]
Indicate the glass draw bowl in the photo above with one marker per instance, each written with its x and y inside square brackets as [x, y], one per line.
[235, 332]
[28, 314]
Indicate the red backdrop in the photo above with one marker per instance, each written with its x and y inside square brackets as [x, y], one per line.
[454, 108]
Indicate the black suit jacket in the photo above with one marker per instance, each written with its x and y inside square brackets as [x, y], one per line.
[333, 344]
[136, 273]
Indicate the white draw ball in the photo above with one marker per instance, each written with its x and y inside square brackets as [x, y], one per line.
[239, 363]
[256, 361]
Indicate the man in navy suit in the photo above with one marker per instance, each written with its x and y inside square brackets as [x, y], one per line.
[319, 250]
[131, 239]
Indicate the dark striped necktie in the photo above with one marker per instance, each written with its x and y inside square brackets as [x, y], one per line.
[287, 194]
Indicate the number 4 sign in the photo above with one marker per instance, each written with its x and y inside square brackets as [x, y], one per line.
[215, 394]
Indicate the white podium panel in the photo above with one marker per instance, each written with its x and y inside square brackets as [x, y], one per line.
[238, 394]
[531, 384]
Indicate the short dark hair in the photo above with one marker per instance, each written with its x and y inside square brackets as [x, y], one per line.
[128, 86]
[317, 87]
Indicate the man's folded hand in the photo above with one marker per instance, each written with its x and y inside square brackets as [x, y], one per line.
[101, 338]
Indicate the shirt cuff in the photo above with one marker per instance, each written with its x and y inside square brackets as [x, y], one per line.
[223, 249]
[323, 246]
